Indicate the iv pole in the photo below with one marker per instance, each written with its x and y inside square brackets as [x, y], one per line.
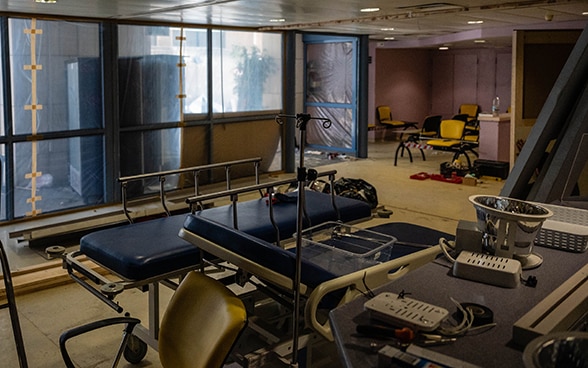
[302, 176]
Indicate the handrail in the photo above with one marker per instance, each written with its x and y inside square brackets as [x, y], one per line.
[233, 194]
[161, 175]
[251, 188]
[187, 169]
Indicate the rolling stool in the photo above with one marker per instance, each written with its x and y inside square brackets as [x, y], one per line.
[11, 304]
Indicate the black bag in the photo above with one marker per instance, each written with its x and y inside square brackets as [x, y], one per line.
[356, 189]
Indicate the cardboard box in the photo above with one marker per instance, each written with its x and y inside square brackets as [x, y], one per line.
[470, 180]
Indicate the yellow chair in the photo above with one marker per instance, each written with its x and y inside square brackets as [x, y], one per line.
[384, 116]
[200, 326]
[471, 110]
[470, 113]
[451, 138]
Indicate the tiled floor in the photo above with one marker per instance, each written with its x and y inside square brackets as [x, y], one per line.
[45, 314]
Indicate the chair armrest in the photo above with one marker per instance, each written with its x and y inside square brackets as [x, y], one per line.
[76, 331]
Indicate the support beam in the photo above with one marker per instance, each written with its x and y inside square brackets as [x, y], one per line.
[553, 121]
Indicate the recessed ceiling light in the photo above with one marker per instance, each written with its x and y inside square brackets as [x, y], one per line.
[389, 38]
[443, 48]
[46, 1]
[279, 20]
[479, 41]
[369, 10]
[386, 29]
[475, 21]
[585, 13]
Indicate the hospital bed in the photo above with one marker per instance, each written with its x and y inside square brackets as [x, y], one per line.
[147, 254]
[322, 288]
[250, 237]
[144, 253]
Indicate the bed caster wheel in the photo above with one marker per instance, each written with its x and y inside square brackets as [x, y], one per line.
[135, 350]
[111, 289]
[55, 251]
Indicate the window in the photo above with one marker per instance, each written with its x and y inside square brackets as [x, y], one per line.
[53, 129]
[164, 66]
[162, 76]
[247, 71]
[57, 123]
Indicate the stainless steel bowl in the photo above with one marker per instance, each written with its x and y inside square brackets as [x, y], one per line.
[555, 350]
[509, 226]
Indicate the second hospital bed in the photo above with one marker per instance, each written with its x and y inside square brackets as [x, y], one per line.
[245, 234]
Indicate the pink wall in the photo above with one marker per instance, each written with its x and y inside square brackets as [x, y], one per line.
[402, 81]
[417, 82]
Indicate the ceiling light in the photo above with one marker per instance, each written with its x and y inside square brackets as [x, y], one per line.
[386, 29]
[443, 47]
[585, 13]
[475, 21]
[46, 1]
[479, 41]
[279, 20]
[369, 10]
[389, 38]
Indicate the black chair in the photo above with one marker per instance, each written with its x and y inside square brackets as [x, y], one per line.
[460, 117]
[431, 126]
[11, 305]
[429, 130]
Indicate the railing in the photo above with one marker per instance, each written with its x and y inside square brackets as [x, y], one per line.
[197, 201]
[195, 170]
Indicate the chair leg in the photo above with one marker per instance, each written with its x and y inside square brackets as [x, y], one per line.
[407, 150]
[16, 330]
[400, 146]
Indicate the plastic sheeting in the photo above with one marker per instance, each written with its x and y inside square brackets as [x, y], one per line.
[330, 93]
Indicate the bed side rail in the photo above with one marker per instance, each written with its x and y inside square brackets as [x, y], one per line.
[196, 201]
[361, 282]
[195, 170]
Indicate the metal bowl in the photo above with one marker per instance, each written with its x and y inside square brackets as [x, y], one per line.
[560, 349]
[509, 226]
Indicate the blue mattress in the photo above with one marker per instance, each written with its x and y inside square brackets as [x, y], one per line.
[284, 261]
[254, 218]
[141, 250]
[257, 250]
[147, 249]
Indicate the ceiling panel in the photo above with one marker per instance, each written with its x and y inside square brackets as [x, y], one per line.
[412, 20]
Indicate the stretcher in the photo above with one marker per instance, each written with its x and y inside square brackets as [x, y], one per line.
[149, 253]
[322, 288]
